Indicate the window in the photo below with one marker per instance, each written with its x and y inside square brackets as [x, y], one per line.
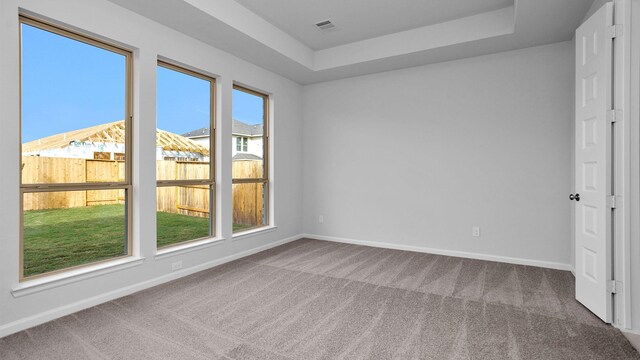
[250, 175]
[242, 144]
[75, 179]
[185, 169]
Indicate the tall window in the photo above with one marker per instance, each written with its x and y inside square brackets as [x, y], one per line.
[250, 168]
[184, 151]
[75, 150]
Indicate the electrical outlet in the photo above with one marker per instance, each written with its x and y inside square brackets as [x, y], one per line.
[475, 231]
[321, 219]
[176, 266]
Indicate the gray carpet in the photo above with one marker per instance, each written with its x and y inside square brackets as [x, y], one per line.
[319, 300]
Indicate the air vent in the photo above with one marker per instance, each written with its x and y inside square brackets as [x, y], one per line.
[326, 25]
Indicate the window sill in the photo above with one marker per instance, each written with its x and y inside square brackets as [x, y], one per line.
[250, 233]
[187, 247]
[29, 287]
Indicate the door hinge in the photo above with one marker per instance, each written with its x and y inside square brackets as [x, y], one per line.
[614, 287]
[615, 31]
[611, 201]
[614, 115]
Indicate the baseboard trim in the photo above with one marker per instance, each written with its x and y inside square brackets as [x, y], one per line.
[633, 337]
[59, 312]
[454, 253]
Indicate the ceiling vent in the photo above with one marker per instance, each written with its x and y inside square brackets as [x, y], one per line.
[326, 25]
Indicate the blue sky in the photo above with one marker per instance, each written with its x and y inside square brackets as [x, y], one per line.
[68, 85]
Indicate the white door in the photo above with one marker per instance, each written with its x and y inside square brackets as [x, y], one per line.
[594, 73]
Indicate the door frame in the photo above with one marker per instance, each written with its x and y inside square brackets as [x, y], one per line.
[628, 226]
[626, 82]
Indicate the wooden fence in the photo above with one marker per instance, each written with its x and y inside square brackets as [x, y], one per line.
[187, 200]
[46, 170]
[248, 199]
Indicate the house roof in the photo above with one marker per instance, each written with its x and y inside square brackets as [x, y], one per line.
[245, 156]
[239, 128]
[112, 133]
[202, 132]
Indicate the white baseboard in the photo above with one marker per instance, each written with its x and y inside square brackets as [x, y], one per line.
[454, 253]
[633, 337]
[59, 312]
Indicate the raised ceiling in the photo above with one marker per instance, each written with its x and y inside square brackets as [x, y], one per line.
[373, 35]
[362, 19]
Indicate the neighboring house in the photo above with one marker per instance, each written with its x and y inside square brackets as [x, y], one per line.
[247, 143]
[107, 142]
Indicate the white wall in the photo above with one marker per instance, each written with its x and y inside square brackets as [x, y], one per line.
[148, 40]
[416, 157]
[597, 4]
[256, 145]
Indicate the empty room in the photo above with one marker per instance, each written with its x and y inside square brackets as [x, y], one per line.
[298, 179]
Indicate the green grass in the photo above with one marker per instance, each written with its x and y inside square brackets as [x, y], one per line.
[62, 238]
[176, 228]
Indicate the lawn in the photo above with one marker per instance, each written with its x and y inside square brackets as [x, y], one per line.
[176, 228]
[62, 238]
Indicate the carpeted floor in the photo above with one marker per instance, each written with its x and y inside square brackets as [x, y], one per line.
[319, 300]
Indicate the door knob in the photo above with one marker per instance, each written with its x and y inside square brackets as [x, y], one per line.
[575, 197]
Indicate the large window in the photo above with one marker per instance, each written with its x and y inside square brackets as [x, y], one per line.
[75, 150]
[250, 159]
[184, 155]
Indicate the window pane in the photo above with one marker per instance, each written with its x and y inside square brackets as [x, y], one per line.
[183, 214]
[247, 169]
[70, 228]
[248, 128]
[181, 169]
[248, 206]
[73, 107]
[184, 120]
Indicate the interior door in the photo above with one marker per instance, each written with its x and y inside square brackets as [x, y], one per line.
[594, 72]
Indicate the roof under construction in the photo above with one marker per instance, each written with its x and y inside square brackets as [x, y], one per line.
[112, 133]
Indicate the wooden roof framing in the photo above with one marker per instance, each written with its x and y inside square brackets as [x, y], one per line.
[112, 133]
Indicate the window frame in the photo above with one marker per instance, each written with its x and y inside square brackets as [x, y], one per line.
[125, 185]
[211, 182]
[265, 161]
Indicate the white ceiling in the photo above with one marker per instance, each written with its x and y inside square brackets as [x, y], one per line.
[362, 19]
[413, 38]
